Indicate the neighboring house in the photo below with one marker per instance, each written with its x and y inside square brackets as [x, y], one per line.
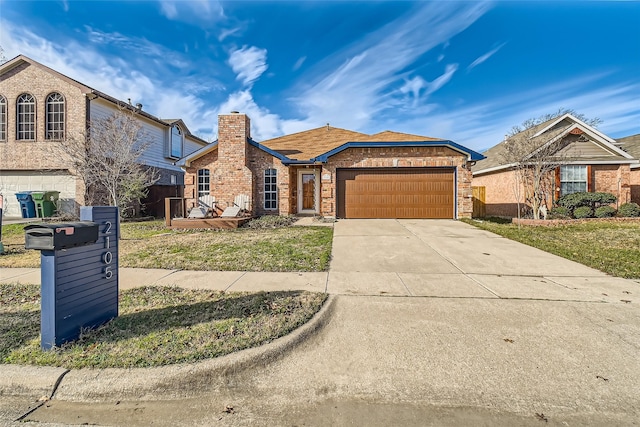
[591, 161]
[332, 172]
[631, 144]
[40, 106]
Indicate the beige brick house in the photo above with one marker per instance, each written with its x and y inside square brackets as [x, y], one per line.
[39, 107]
[332, 172]
[592, 162]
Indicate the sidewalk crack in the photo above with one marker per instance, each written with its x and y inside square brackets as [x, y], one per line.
[53, 392]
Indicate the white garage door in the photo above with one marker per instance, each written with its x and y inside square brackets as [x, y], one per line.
[17, 181]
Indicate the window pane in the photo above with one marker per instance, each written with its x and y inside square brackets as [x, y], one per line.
[55, 117]
[26, 114]
[270, 189]
[3, 118]
[176, 142]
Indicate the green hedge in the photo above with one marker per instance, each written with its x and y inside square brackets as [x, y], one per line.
[629, 210]
[605, 212]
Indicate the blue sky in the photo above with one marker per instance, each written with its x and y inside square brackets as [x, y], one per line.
[465, 71]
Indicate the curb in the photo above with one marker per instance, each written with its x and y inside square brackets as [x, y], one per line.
[165, 382]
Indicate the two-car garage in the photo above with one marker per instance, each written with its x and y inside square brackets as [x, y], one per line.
[396, 192]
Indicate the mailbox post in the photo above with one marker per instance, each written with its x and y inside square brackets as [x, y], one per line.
[79, 273]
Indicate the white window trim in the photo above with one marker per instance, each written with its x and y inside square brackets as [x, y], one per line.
[198, 183]
[275, 193]
[586, 178]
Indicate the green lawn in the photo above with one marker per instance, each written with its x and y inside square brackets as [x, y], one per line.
[156, 326]
[611, 247]
[150, 244]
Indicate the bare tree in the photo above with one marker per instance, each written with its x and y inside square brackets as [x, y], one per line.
[534, 159]
[107, 160]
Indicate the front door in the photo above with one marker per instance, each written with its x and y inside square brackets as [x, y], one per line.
[308, 199]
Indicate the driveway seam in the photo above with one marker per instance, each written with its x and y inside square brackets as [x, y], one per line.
[405, 285]
[448, 260]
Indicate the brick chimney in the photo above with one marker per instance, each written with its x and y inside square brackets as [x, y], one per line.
[234, 177]
[233, 132]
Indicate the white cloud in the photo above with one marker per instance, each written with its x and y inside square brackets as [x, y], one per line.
[228, 32]
[120, 76]
[443, 79]
[482, 125]
[484, 57]
[264, 125]
[358, 86]
[248, 63]
[299, 63]
[205, 12]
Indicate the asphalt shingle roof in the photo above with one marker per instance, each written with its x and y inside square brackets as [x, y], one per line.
[315, 142]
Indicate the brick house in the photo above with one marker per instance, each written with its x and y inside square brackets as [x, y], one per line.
[332, 172]
[592, 161]
[39, 107]
[631, 144]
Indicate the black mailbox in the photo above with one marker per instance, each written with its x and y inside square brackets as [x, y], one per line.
[50, 237]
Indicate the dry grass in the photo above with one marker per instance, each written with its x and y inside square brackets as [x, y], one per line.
[151, 245]
[157, 326]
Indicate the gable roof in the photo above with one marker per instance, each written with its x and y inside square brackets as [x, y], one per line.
[631, 145]
[92, 93]
[317, 145]
[601, 151]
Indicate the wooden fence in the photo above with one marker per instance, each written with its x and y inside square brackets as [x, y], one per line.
[479, 195]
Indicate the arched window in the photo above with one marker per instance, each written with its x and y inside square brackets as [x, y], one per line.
[26, 117]
[3, 118]
[176, 142]
[55, 116]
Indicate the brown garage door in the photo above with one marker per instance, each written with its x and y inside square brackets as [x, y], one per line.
[396, 193]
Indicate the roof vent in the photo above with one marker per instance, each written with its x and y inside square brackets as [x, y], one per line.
[327, 126]
[235, 112]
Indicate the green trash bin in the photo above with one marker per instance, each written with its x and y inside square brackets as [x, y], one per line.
[46, 202]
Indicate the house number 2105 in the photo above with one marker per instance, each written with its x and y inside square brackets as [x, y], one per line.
[107, 257]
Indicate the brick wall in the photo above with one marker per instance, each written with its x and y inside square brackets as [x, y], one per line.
[40, 153]
[396, 157]
[500, 199]
[614, 179]
[259, 161]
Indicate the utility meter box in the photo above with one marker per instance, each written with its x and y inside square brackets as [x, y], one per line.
[53, 237]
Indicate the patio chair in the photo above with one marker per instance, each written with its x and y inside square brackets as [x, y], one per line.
[241, 205]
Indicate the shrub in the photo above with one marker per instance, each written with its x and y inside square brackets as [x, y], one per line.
[592, 200]
[605, 212]
[271, 221]
[559, 212]
[629, 210]
[583, 212]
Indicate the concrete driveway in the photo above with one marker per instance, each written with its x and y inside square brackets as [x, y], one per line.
[439, 258]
